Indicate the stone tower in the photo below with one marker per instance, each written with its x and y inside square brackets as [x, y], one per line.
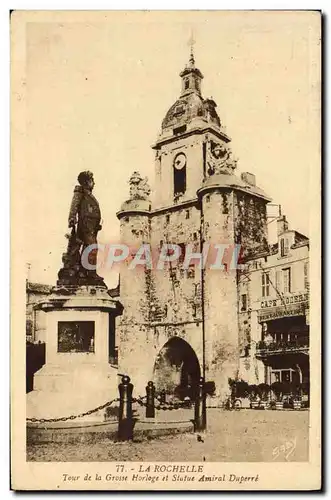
[180, 322]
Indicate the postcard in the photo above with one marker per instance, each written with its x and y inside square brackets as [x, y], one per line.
[166, 250]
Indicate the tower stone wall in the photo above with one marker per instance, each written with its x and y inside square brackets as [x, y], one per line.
[220, 291]
[135, 342]
[192, 147]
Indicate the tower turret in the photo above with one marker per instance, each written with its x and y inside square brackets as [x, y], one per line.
[233, 222]
[134, 282]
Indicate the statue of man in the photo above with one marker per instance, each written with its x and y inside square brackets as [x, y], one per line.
[84, 219]
[85, 212]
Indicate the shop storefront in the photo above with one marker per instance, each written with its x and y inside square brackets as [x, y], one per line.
[284, 346]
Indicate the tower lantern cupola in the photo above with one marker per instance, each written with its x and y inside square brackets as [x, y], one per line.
[191, 77]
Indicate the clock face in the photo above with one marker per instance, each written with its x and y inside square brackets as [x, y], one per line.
[180, 161]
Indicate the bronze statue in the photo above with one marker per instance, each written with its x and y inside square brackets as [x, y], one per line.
[84, 221]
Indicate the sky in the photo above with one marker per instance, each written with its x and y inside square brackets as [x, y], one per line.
[98, 86]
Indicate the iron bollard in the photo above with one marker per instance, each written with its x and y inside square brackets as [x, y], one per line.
[189, 395]
[200, 409]
[150, 406]
[125, 418]
[163, 397]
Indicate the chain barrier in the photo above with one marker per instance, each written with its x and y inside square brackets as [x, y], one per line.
[72, 417]
[163, 406]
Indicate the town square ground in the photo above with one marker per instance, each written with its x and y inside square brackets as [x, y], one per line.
[232, 436]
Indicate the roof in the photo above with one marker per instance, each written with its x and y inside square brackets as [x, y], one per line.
[188, 107]
[299, 237]
[233, 182]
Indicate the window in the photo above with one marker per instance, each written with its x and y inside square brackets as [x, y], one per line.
[265, 285]
[179, 130]
[187, 83]
[282, 375]
[278, 280]
[187, 214]
[287, 280]
[306, 275]
[179, 181]
[286, 376]
[168, 219]
[181, 258]
[244, 302]
[179, 110]
[284, 247]
[191, 271]
[195, 236]
[208, 198]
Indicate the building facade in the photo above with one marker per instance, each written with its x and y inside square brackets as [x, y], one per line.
[35, 292]
[273, 298]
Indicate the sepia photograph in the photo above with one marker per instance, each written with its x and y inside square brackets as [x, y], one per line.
[166, 250]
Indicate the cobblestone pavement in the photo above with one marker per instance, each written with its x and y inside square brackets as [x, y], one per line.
[245, 435]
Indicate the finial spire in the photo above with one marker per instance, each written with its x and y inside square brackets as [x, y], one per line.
[191, 43]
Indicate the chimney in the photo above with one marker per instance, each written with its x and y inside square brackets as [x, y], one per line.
[282, 225]
[248, 178]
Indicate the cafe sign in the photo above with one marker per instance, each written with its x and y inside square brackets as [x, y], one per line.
[281, 312]
[285, 301]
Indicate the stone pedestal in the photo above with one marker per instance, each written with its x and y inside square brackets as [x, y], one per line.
[76, 376]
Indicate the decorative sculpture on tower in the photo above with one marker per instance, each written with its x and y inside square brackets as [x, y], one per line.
[139, 187]
[221, 160]
[84, 221]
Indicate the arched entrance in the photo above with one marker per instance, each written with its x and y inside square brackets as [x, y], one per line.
[176, 368]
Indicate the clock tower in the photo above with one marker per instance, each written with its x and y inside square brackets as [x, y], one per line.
[180, 321]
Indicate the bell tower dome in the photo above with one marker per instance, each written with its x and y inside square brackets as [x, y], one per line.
[188, 127]
[190, 110]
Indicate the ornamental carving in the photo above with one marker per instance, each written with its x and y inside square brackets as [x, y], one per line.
[139, 187]
[220, 159]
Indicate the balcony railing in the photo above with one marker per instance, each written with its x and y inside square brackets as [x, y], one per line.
[282, 346]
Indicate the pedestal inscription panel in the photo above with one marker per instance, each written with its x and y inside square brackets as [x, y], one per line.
[75, 336]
